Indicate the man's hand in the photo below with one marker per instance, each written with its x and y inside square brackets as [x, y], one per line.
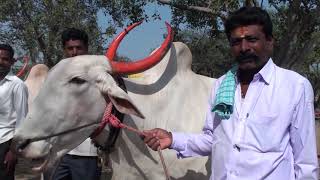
[10, 161]
[156, 138]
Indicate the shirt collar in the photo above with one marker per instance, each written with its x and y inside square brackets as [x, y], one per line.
[9, 76]
[267, 71]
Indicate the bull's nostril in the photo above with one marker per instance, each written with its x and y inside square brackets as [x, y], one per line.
[23, 145]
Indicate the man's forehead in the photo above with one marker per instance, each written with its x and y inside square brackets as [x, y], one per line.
[243, 31]
[4, 52]
[75, 42]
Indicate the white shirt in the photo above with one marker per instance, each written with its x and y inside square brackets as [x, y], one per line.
[13, 105]
[86, 148]
[271, 136]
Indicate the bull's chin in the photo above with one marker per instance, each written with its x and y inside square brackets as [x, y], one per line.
[48, 161]
[42, 166]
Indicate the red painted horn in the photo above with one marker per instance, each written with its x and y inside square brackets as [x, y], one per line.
[120, 67]
[24, 67]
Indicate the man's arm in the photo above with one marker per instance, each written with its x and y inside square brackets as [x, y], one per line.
[302, 136]
[20, 102]
[186, 145]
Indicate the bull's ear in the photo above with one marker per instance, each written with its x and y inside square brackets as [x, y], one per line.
[118, 97]
[35, 79]
[122, 101]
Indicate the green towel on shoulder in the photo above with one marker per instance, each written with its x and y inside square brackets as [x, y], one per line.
[224, 101]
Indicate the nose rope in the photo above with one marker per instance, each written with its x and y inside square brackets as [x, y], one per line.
[109, 118]
[60, 133]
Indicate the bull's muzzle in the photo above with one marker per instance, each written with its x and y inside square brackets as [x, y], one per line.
[19, 144]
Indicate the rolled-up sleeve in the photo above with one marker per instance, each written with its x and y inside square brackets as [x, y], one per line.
[303, 138]
[20, 102]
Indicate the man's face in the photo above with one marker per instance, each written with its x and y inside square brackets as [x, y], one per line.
[250, 47]
[74, 48]
[6, 61]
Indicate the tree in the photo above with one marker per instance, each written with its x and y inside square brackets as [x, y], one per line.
[296, 30]
[199, 23]
[296, 21]
[35, 26]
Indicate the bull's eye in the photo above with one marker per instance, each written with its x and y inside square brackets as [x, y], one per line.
[77, 80]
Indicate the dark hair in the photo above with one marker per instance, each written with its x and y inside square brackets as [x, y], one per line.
[8, 48]
[74, 34]
[249, 16]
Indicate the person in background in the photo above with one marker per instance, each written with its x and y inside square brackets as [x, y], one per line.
[13, 109]
[82, 162]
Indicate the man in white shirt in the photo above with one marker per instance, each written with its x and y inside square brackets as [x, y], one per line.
[81, 162]
[260, 121]
[13, 109]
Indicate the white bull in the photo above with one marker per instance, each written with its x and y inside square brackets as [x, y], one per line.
[173, 97]
[75, 94]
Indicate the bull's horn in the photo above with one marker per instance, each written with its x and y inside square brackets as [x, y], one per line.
[115, 43]
[24, 67]
[120, 67]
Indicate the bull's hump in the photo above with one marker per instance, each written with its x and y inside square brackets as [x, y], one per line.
[177, 62]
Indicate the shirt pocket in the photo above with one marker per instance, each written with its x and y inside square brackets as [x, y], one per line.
[265, 133]
[267, 119]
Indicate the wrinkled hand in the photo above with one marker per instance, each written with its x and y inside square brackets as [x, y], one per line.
[156, 138]
[10, 161]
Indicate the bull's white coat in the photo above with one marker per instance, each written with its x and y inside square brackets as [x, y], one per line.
[169, 95]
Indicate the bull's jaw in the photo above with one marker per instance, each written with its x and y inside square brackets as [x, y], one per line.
[43, 155]
[40, 152]
[49, 161]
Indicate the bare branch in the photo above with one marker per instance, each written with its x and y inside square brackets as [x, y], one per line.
[209, 4]
[193, 8]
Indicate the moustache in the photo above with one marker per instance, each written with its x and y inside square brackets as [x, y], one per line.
[242, 58]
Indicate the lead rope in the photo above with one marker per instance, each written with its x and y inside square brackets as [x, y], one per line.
[109, 118]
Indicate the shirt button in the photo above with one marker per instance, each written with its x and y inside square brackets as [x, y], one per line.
[236, 147]
[234, 173]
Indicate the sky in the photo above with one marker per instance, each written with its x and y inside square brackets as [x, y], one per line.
[143, 39]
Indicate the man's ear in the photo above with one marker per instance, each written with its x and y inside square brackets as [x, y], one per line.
[13, 60]
[270, 42]
[118, 97]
